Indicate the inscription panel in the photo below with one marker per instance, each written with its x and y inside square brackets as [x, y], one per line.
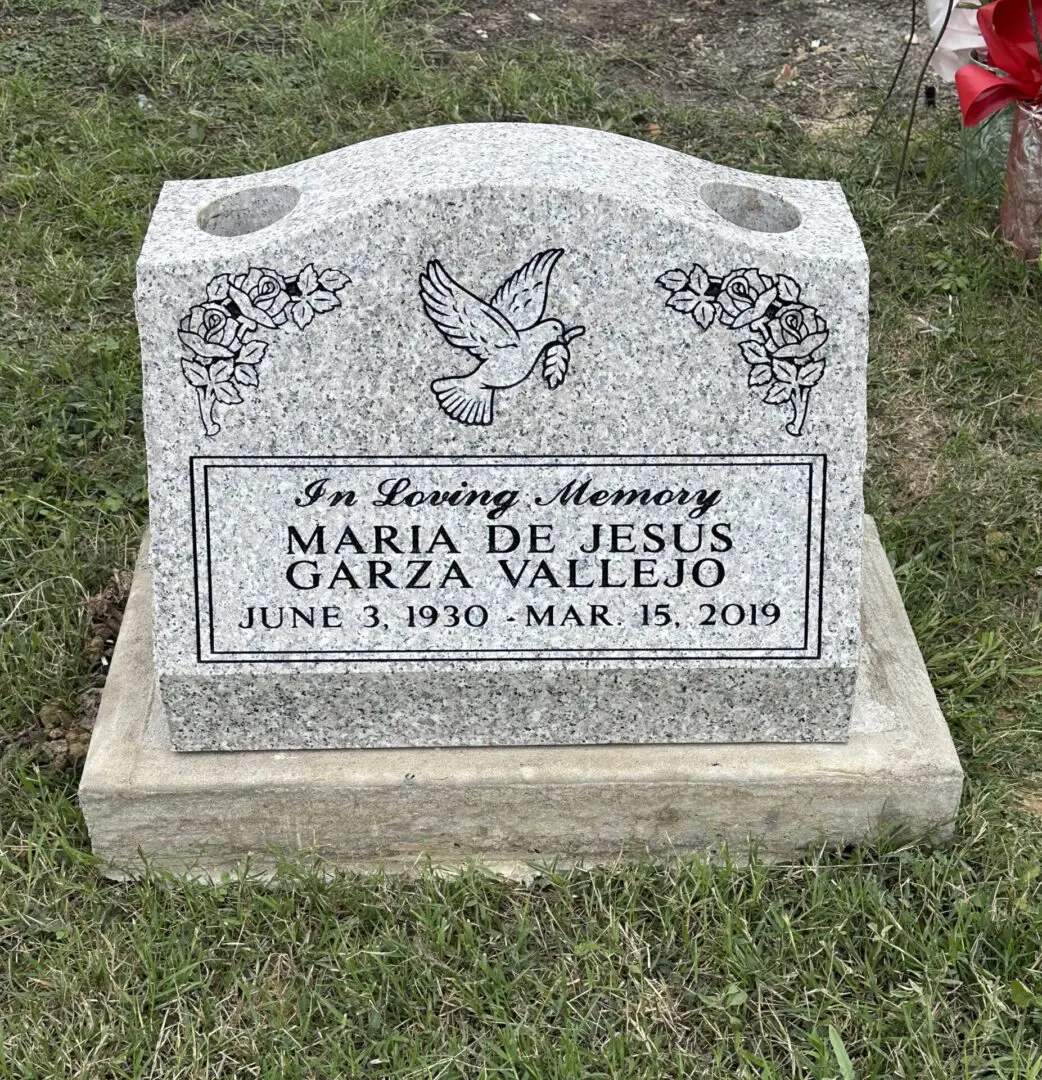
[320, 559]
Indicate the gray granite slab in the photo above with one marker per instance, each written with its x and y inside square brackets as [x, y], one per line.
[504, 434]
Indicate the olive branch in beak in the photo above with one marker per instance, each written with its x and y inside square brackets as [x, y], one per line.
[571, 334]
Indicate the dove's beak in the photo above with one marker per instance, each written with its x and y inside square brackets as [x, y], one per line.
[571, 334]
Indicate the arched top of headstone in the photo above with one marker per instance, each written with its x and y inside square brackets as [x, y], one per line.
[508, 163]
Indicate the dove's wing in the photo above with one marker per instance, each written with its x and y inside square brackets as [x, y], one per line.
[464, 319]
[522, 297]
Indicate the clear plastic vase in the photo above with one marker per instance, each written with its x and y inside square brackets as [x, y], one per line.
[1021, 212]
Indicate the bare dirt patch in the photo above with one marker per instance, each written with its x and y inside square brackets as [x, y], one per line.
[906, 441]
[813, 59]
[61, 736]
[180, 19]
[821, 63]
[1029, 798]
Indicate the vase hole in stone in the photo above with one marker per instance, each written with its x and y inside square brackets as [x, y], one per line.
[750, 207]
[248, 210]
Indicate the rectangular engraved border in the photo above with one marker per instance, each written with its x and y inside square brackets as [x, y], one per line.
[206, 652]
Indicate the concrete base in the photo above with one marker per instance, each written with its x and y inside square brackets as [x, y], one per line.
[512, 807]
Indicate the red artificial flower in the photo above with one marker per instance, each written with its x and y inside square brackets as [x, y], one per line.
[1008, 32]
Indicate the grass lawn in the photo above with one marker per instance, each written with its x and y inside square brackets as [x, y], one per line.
[878, 962]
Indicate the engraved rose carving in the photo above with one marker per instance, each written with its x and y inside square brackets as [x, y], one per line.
[784, 335]
[227, 335]
[261, 295]
[745, 296]
[796, 331]
[211, 331]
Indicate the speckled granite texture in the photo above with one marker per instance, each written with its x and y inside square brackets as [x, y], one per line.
[499, 435]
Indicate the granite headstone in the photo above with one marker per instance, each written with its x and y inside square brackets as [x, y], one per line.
[500, 435]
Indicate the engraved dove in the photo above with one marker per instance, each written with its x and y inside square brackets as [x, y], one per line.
[507, 335]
